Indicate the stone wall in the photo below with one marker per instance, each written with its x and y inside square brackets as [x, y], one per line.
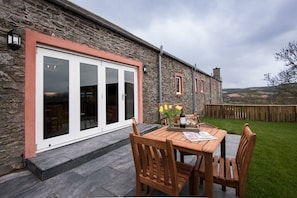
[69, 22]
[11, 91]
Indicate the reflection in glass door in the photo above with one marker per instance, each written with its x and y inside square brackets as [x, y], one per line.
[88, 96]
[129, 94]
[56, 97]
[112, 93]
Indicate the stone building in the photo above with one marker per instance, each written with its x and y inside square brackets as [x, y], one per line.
[76, 76]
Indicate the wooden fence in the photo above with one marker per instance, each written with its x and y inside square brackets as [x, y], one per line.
[268, 113]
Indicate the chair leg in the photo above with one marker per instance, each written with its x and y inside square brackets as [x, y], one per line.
[196, 178]
[147, 190]
[150, 192]
[195, 184]
[201, 181]
[175, 154]
[181, 157]
[138, 189]
[240, 192]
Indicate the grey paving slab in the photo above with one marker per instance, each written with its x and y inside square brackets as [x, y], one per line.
[50, 163]
[14, 184]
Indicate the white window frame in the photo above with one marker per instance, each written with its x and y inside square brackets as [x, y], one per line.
[178, 84]
[202, 86]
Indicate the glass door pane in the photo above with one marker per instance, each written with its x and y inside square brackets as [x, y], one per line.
[112, 95]
[88, 96]
[56, 97]
[129, 95]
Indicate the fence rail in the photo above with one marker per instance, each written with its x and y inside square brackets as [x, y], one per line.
[268, 113]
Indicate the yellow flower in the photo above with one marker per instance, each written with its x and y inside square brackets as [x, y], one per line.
[170, 106]
[161, 109]
[166, 107]
[178, 107]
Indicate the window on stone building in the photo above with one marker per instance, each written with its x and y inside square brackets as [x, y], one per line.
[196, 85]
[214, 83]
[178, 84]
[202, 86]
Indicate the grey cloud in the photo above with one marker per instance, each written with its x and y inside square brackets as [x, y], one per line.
[234, 35]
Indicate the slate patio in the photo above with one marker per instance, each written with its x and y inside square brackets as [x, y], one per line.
[109, 175]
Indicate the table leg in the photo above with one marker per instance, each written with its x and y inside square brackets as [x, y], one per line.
[208, 175]
[223, 154]
[223, 148]
[175, 154]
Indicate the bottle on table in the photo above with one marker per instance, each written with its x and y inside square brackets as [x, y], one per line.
[182, 118]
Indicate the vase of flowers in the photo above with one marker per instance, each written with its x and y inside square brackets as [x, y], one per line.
[170, 112]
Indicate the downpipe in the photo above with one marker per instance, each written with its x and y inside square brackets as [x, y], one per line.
[160, 74]
[193, 89]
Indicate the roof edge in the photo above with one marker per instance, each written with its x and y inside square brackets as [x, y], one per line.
[68, 5]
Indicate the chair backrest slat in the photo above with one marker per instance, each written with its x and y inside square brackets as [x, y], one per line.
[150, 166]
[158, 162]
[134, 126]
[140, 151]
[172, 165]
[245, 150]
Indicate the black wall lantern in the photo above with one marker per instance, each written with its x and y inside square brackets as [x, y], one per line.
[13, 40]
[144, 69]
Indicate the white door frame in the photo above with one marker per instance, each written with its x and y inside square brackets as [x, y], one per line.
[75, 134]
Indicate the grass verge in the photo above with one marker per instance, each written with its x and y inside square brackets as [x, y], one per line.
[273, 169]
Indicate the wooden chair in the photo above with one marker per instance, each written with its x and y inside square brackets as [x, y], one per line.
[156, 167]
[136, 131]
[135, 128]
[231, 172]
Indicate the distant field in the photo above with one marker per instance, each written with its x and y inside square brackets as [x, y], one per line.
[256, 95]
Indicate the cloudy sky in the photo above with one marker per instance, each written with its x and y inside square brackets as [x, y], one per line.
[239, 36]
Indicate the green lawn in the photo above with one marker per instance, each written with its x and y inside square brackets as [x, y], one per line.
[273, 169]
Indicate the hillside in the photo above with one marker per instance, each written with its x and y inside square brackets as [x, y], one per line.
[252, 95]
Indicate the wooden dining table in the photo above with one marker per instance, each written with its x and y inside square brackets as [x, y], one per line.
[205, 148]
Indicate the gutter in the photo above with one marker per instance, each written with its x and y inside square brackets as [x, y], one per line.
[210, 91]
